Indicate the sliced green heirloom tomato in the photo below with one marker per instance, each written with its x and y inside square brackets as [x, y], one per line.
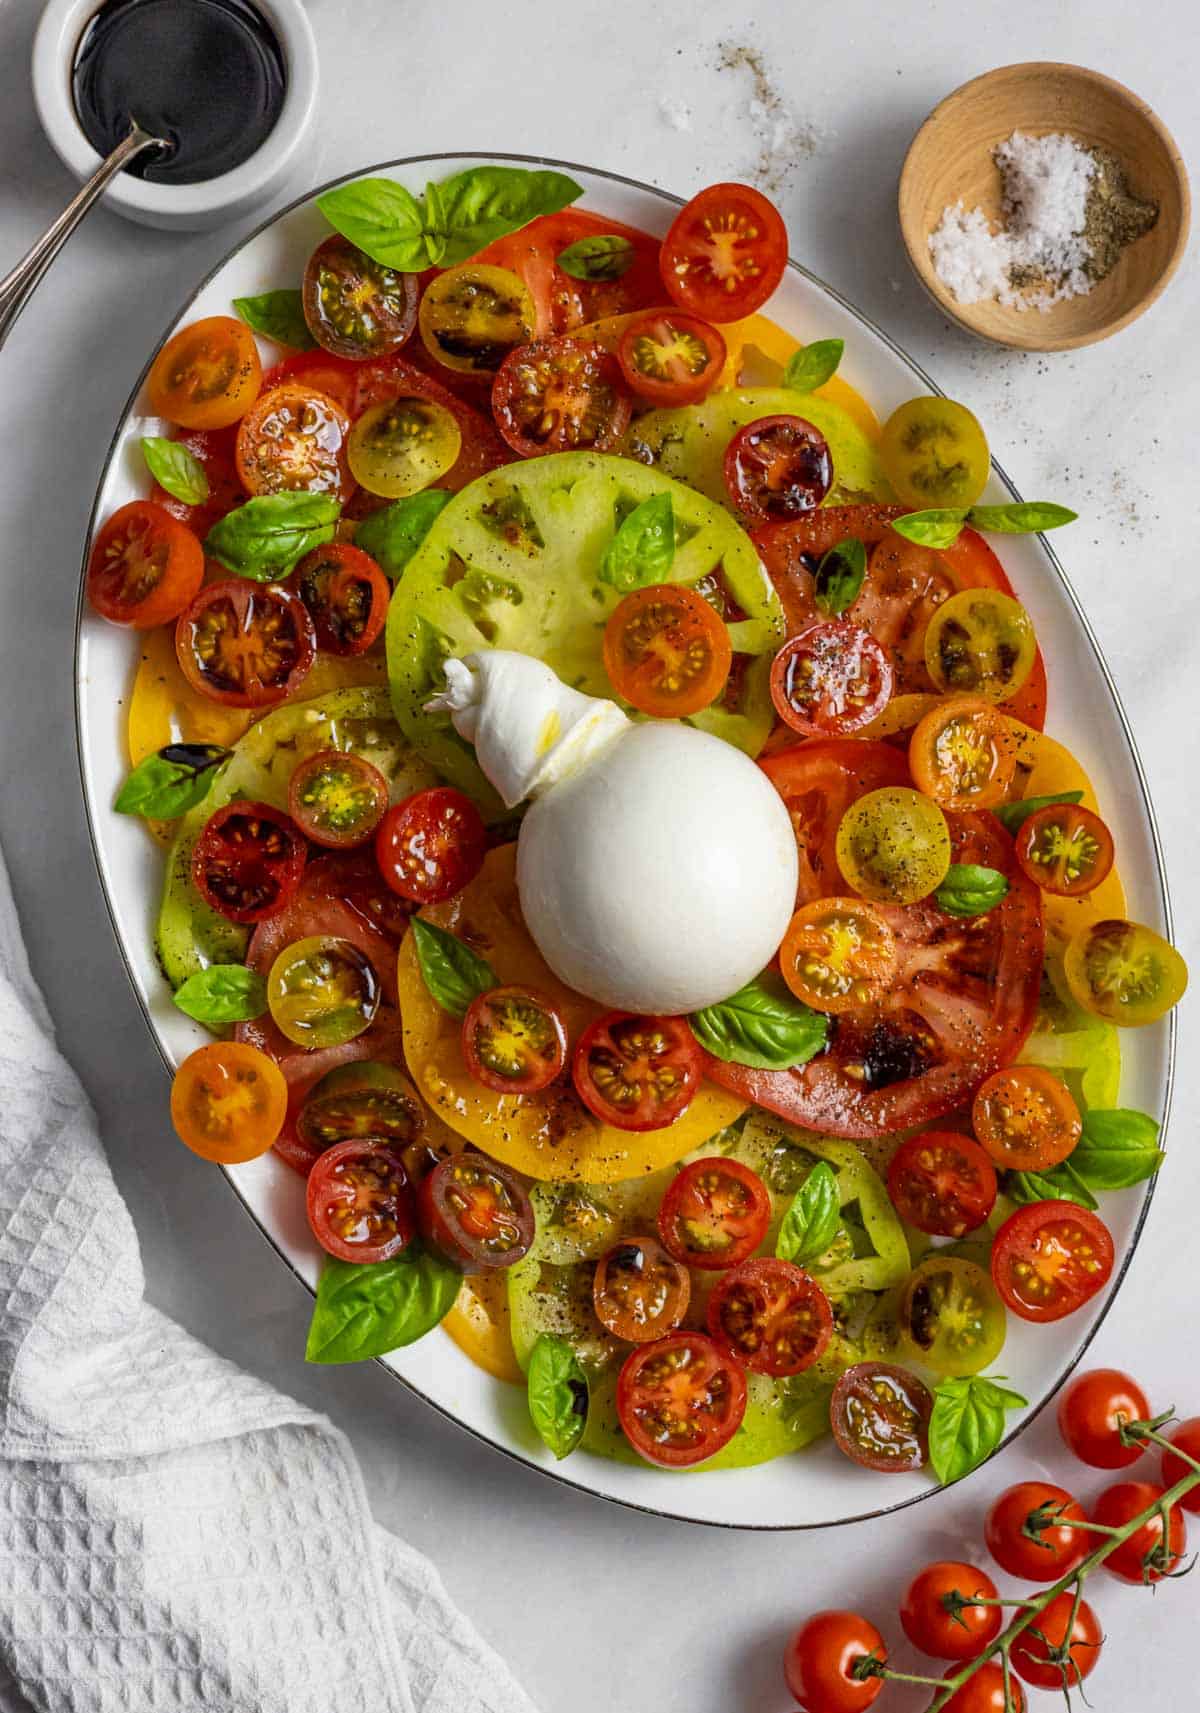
[1124, 972]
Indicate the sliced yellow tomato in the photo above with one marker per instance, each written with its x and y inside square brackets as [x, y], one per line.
[479, 1324]
[549, 1134]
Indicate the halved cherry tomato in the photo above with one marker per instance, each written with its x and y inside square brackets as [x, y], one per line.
[942, 1183]
[666, 651]
[359, 1202]
[988, 1691]
[960, 1629]
[838, 953]
[830, 680]
[1186, 1435]
[144, 568]
[680, 1399]
[1065, 849]
[934, 453]
[821, 1661]
[893, 846]
[636, 1073]
[216, 452]
[669, 358]
[560, 395]
[1124, 972]
[351, 1102]
[293, 439]
[714, 1214]
[1028, 1531]
[963, 755]
[1050, 1258]
[244, 644]
[980, 643]
[398, 448]
[337, 799]
[951, 1318]
[476, 1212]
[346, 594]
[771, 1316]
[431, 845]
[1026, 1118]
[228, 1102]
[322, 991]
[639, 1291]
[777, 468]
[725, 253]
[355, 307]
[248, 861]
[514, 1040]
[473, 315]
[1061, 1646]
[1091, 1413]
[818, 781]
[880, 1417]
[1150, 1552]
[207, 375]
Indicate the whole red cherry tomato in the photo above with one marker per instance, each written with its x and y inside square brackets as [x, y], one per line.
[1035, 1653]
[820, 1661]
[1187, 1437]
[1152, 1551]
[958, 1631]
[1091, 1411]
[1057, 1548]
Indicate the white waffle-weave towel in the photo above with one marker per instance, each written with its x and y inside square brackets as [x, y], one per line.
[174, 1534]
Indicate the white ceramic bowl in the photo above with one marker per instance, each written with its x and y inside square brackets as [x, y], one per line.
[817, 1486]
[181, 206]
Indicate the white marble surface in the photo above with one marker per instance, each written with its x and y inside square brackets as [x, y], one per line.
[599, 1607]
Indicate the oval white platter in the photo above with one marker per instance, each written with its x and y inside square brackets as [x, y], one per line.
[817, 1486]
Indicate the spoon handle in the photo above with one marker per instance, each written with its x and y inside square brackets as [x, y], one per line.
[18, 287]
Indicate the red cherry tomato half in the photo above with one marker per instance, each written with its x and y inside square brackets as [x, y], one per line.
[560, 395]
[636, 1073]
[431, 845]
[1050, 1258]
[337, 799]
[666, 651]
[476, 1212]
[942, 1183]
[880, 1414]
[680, 1399]
[248, 861]
[360, 1205]
[938, 1615]
[986, 1692]
[777, 468]
[1091, 1412]
[715, 1214]
[245, 644]
[514, 1040]
[725, 253]
[1028, 1531]
[1037, 1654]
[639, 1291]
[144, 567]
[356, 307]
[293, 438]
[1065, 849]
[1174, 1465]
[770, 1316]
[1150, 1552]
[669, 358]
[346, 594]
[831, 680]
[820, 1660]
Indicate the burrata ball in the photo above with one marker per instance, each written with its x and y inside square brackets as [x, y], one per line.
[661, 876]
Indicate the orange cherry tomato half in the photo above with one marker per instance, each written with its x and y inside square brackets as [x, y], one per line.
[639, 1291]
[636, 1073]
[294, 439]
[837, 953]
[207, 376]
[144, 567]
[777, 468]
[831, 680]
[431, 845]
[228, 1102]
[669, 358]
[245, 644]
[680, 1399]
[715, 1214]
[560, 395]
[725, 253]
[942, 1183]
[963, 755]
[346, 594]
[1065, 849]
[337, 799]
[1050, 1258]
[359, 1201]
[355, 307]
[1026, 1119]
[666, 651]
[514, 1040]
[771, 1316]
[248, 861]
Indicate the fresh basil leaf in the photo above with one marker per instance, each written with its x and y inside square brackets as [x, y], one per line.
[970, 890]
[940, 527]
[365, 1309]
[603, 256]
[382, 219]
[642, 550]
[171, 781]
[1023, 517]
[1060, 1183]
[435, 224]
[176, 469]
[812, 365]
[811, 1221]
[223, 993]
[277, 315]
[967, 1424]
[762, 1025]
[264, 538]
[453, 973]
[1013, 816]
[486, 203]
[392, 535]
[1117, 1149]
[558, 1393]
[839, 576]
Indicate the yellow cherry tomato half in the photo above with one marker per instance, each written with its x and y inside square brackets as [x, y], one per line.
[893, 845]
[472, 316]
[962, 754]
[322, 991]
[837, 953]
[207, 376]
[980, 643]
[935, 454]
[951, 1317]
[228, 1102]
[398, 448]
[1124, 972]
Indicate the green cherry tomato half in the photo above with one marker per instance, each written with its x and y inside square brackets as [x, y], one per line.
[935, 454]
[951, 1316]
[893, 846]
[400, 447]
[1123, 972]
[322, 992]
[337, 799]
[980, 642]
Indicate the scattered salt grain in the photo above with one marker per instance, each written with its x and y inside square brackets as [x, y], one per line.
[676, 113]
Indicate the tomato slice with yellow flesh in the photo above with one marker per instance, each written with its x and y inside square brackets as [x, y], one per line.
[547, 1134]
[479, 1324]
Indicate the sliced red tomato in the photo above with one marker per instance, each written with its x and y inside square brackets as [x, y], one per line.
[245, 644]
[838, 953]
[346, 594]
[353, 878]
[818, 782]
[714, 1214]
[360, 1202]
[144, 567]
[431, 845]
[337, 799]
[294, 439]
[476, 1212]
[639, 1291]
[830, 680]
[560, 395]
[1050, 1258]
[248, 861]
[942, 1183]
[725, 252]
[514, 1040]
[666, 651]
[669, 358]
[770, 1316]
[215, 451]
[680, 1399]
[354, 306]
[636, 1073]
[776, 468]
[563, 302]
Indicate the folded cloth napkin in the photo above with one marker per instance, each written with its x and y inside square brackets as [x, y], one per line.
[173, 1532]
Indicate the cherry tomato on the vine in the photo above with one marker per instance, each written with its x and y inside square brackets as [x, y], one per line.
[831, 680]
[1174, 1466]
[942, 1183]
[1091, 1412]
[715, 1213]
[777, 468]
[1028, 1531]
[1050, 1258]
[666, 651]
[880, 1414]
[725, 253]
[1036, 1655]
[959, 1629]
[820, 1659]
[1156, 1548]
[985, 1692]
[360, 1204]
[514, 1040]
[636, 1073]
[431, 845]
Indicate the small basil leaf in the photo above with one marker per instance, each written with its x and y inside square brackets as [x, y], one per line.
[223, 993]
[177, 470]
[392, 535]
[453, 973]
[172, 781]
[839, 576]
[812, 365]
[938, 528]
[381, 218]
[436, 226]
[811, 1221]
[264, 538]
[365, 1309]
[1117, 1149]
[762, 1025]
[1060, 1183]
[1023, 517]
[277, 315]
[604, 256]
[558, 1393]
[970, 890]
[486, 203]
[642, 550]
[1013, 816]
[967, 1424]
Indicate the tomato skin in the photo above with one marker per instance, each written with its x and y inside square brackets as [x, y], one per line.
[942, 1183]
[346, 595]
[668, 358]
[475, 1212]
[1065, 849]
[666, 651]
[939, 1633]
[430, 846]
[776, 469]
[1186, 1435]
[639, 1291]
[144, 568]
[831, 680]
[1026, 1118]
[1091, 1411]
[1031, 1654]
[819, 1662]
[636, 1073]
[985, 1692]
[1154, 1550]
[714, 1214]
[228, 1102]
[770, 1316]
[879, 1415]
[537, 1036]
[680, 1399]
[248, 861]
[1037, 1244]
[359, 1202]
[560, 395]
[355, 307]
[337, 799]
[1058, 1547]
[293, 439]
[247, 645]
[207, 375]
[725, 252]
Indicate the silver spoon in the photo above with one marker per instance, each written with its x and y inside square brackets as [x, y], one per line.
[17, 287]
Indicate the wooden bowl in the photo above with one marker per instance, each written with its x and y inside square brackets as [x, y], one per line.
[950, 160]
